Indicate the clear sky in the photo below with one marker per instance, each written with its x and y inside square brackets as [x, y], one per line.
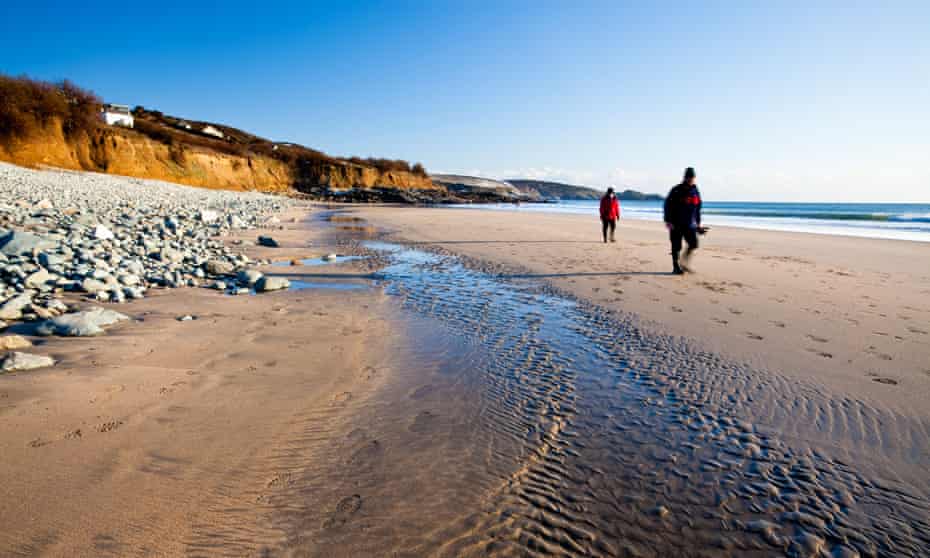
[775, 100]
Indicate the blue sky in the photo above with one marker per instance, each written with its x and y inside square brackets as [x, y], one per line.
[775, 100]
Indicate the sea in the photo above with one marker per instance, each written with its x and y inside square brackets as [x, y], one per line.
[899, 221]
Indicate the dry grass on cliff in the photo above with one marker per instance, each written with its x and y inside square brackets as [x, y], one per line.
[29, 106]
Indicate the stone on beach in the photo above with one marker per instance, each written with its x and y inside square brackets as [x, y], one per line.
[25, 361]
[15, 243]
[267, 241]
[208, 215]
[267, 284]
[114, 237]
[81, 324]
[14, 342]
[12, 309]
[101, 232]
[249, 276]
[330, 257]
[219, 267]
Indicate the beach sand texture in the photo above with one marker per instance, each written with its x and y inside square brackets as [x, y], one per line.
[850, 313]
[500, 384]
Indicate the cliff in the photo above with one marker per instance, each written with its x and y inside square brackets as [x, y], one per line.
[57, 125]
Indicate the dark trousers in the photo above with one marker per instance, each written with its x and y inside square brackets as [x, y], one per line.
[676, 235]
[610, 224]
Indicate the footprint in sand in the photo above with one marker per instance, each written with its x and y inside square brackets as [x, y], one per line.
[676, 309]
[345, 509]
[74, 434]
[917, 331]
[817, 339]
[735, 311]
[109, 426]
[754, 336]
[777, 323]
[820, 353]
[886, 381]
[720, 321]
[872, 350]
[342, 398]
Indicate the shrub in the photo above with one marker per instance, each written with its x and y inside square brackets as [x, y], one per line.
[27, 106]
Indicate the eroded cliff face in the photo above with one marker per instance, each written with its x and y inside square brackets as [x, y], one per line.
[124, 152]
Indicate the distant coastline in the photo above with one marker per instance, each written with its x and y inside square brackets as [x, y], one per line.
[896, 221]
[557, 190]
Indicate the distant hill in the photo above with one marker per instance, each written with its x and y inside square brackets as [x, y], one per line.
[477, 186]
[553, 190]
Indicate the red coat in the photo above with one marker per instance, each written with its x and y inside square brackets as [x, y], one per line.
[610, 208]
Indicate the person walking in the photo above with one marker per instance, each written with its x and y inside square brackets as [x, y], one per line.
[682, 213]
[610, 212]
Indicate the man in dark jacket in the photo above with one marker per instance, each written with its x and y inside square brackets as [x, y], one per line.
[683, 218]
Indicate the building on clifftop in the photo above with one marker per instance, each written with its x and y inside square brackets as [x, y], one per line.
[116, 115]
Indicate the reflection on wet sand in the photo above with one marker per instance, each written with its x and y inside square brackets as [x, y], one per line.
[531, 423]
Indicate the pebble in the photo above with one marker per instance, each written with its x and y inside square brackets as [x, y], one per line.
[15, 361]
[267, 284]
[14, 342]
[81, 324]
[268, 241]
[114, 237]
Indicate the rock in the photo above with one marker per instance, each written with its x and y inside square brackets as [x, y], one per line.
[50, 260]
[129, 279]
[42, 204]
[39, 279]
[101, 232]
[208, 215]
[16, 243]
[186, 318]
[267, 284]
[93, 286]
[12, 309]
[249, 276]
[330, 257]
[24, 361]
[219, 267]
[81, 324]
[14, 342]
[268, 242]
[170, 255]
[219, 285]
[660, 511]
[236, 222]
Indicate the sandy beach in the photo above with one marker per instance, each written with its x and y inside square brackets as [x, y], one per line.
[465, 382]
[849, 313]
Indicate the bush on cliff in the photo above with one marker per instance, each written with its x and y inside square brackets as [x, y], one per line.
[27, 106]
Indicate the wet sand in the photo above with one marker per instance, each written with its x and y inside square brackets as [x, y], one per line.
[851, 314]
[444, 400]
[171, 438]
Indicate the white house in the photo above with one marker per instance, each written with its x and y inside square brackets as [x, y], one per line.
[211, 131]
[116, 115]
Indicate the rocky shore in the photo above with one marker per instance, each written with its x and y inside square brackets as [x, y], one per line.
[110, 239]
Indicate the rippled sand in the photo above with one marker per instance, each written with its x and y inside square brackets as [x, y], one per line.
[444, 406]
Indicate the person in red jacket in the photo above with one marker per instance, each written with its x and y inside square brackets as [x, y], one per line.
[610, 212]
